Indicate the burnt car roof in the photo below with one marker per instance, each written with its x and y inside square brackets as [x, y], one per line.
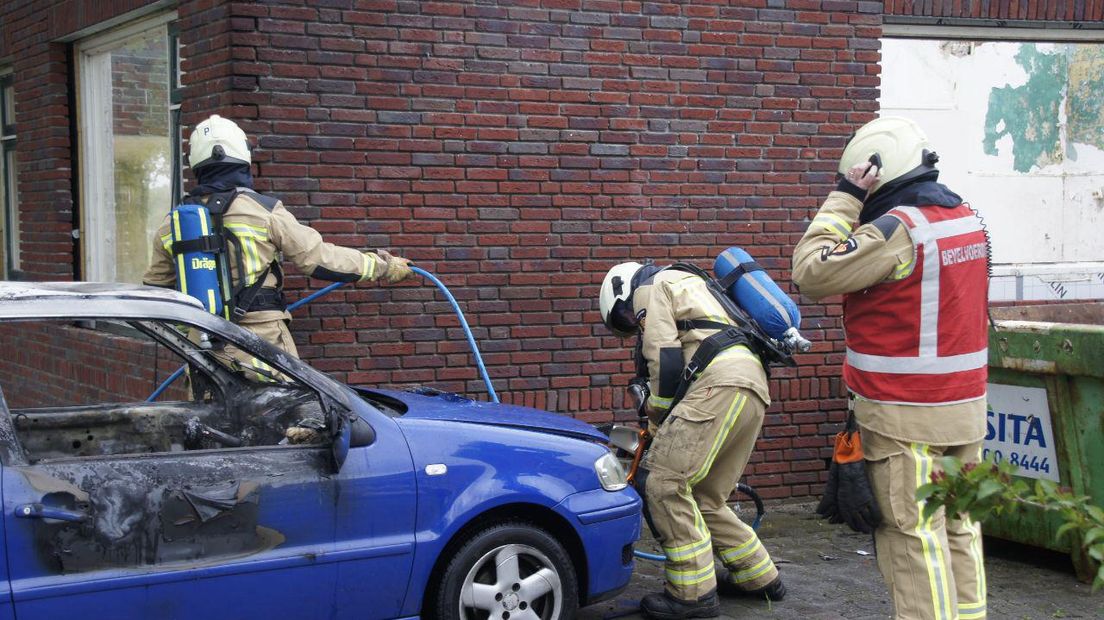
[86, 292]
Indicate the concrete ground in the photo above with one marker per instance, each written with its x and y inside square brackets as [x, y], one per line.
[830, 572]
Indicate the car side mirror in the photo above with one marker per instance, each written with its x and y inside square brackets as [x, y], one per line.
[361, 433]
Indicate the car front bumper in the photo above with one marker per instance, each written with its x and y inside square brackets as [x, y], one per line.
[608, 524]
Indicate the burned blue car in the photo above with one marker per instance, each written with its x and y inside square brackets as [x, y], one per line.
[199, 504]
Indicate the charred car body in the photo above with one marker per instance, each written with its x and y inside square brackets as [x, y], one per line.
[414, 504]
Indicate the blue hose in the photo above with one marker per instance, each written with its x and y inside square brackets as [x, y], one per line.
[324, 291]
[463, 323]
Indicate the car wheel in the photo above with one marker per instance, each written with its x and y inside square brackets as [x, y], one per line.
[511, 571]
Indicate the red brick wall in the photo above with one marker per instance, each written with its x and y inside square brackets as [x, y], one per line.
[73, 359]
[1057, 10]
[518, 149]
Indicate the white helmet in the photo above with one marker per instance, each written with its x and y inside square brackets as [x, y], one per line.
[899, 143]
[216, 140]
[615, 298]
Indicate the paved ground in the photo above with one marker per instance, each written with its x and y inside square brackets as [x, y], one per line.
[830, 573]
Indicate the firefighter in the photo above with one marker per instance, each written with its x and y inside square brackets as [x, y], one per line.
[263, 231]
[911, 261]
[702, 441]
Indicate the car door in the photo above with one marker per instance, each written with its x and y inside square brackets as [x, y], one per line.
[271, 531]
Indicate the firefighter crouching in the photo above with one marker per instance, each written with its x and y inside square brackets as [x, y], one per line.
[703, 440]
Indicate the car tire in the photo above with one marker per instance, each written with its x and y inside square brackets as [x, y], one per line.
[509, 570]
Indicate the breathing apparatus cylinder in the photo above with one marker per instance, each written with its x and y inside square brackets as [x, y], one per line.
[195, 252]
[754, 291]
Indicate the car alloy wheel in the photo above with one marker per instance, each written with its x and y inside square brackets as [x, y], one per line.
[510, 572]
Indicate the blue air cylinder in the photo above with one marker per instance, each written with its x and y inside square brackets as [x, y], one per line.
[197, 271]
[754, 291]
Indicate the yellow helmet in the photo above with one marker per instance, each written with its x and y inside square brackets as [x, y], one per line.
[899, 143]
[218, 140]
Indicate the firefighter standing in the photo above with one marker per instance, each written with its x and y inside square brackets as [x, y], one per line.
[703, 441]
[219, 156]
[913, 273]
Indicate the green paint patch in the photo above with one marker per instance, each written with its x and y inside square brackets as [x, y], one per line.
[1029, 113]
[1085, 97]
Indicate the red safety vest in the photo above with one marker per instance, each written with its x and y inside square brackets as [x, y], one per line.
[923, 340]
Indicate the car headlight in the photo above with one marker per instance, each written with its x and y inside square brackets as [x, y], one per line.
[610, 473]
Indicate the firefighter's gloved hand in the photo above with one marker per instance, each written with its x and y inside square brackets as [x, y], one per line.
[307, 430]
[855, 501]
[828, 507]
[398, 268]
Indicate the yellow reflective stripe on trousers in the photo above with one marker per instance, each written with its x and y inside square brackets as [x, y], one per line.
[753, 573]
[689, 577]
[929, 540]
[731, 416]
[734, 554]
[833, 223]
[970, 611]
[265, 368]
[688, 552]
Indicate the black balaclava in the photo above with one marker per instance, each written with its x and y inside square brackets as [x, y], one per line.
[221, 177]
[921, 190]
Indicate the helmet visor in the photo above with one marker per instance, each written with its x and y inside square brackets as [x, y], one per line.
[622, 320]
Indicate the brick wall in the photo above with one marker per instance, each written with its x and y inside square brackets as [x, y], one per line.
[1040, 10]
[517, 149]
[520, 149]
[73, 359]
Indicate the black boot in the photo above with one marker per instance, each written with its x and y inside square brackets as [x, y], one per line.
[773, 591]
[666, 607]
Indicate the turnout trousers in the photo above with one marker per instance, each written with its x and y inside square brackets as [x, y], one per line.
[695, 461]
[273, 331]
[933, 567]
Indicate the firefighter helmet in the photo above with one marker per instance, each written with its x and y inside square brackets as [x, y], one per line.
[615, 299]
[899, 143]
[218, 140]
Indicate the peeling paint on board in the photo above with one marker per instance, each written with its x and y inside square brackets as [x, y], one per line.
[1029, 113]
[1085, 100]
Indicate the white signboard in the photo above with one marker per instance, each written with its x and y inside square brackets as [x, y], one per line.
[1019, 431]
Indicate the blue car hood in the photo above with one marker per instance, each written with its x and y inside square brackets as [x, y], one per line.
[454, 408]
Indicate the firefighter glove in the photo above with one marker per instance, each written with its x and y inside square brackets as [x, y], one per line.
[398, 268]
[849, 497]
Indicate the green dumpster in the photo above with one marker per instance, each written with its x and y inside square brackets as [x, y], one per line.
[1046, 410]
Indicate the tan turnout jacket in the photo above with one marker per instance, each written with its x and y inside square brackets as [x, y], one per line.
[266, 230]
[674, 296]
[834, 257]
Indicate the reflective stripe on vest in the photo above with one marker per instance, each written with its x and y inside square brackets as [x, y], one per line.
[951, 377]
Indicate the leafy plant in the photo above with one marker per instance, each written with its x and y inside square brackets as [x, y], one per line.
[981, 489]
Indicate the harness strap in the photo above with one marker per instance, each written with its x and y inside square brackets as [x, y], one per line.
[709, 348]
[207, 243]
[731, 277]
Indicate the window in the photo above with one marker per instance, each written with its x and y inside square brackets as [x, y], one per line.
[9, 196]
[68, 402]
[128, 144]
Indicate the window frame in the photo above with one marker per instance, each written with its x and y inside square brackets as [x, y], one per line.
[95, 133]
[9, 198]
